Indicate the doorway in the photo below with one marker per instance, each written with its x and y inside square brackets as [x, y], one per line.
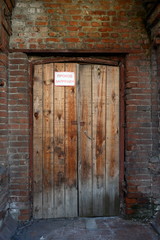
[76, 141]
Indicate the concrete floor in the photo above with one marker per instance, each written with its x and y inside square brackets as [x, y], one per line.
[114, 228]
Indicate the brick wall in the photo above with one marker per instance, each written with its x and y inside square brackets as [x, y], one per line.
[5, 32]
[18, 105]
[3, 193]
[103, 25]
[138, 135]
[154, 164]
[153, 26]
[69, 24]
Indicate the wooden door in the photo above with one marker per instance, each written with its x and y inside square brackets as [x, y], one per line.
[98, 140]
[76, 141]
[54, 144]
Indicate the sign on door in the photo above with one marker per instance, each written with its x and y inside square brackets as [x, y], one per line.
[64, 79]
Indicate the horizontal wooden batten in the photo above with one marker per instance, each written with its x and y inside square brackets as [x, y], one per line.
[77, 60]
[79, 51]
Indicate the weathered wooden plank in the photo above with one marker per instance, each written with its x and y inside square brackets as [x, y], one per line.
[70, 147]
[112, 142]
[1, 39]
[56, 119]
[81, 51]
[59, 147]
[98, 138]
[78, 60]
[10, 4]
[85, 143]
[4, 21]
[37, 141]
[48, 140]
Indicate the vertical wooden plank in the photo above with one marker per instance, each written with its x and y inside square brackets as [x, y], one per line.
[55, 131]
[37, 141]
[1, 42]
[47, 140]
[112, 141]
[99, 138]
[59, 150]
[85, 143]
[70, 147]
[122, 132]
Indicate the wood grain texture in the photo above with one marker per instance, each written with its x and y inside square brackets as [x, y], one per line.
[112, 143]
[0, 27]
[59, 147]
[76, 141]
[37, 141]
[85, 143]
[79, 60]
[70, 147]
[47, 140]
[98, 138]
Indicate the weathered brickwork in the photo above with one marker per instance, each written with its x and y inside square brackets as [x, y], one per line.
[3, 193]
[138, 133]
[3, 136]
[3, 107]
[18, 105]
[69, 24]
[154, 164]
[5, 32]
[87, 25]
[153, 25]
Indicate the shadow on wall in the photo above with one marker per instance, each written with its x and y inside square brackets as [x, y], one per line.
[8, 225]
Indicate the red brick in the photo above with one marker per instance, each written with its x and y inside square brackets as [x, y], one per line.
[41, 23]
[52, 40]
[74, 12]
[73, 23]
[72, 28]
[111, 13]
[76, 17]
[83, 24]
[95, 24]
[88, 29]
[87, 18]
[81, 34]
[106, 29]
[17, 61]
[71, 39]
[50, 5]
[59, 29]
[98, 13]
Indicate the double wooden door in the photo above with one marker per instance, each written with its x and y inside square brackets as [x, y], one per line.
[76, 141]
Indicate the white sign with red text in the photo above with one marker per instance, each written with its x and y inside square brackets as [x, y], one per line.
[64, 79]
